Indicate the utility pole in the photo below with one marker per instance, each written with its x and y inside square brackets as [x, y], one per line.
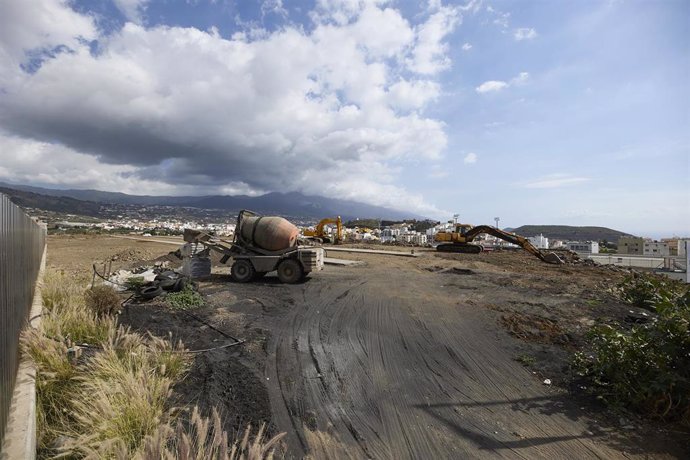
[456, 217]
[687, 261]
[497, 220]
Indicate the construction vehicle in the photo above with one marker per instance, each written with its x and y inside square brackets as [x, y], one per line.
[251, 259]
[319, 230]
[459, 241]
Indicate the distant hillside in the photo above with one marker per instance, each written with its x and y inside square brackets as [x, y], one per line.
[571, 233]
[286, 204]
[60, 204]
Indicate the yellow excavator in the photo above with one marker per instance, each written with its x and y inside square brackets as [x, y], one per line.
[459, 241]
[319, 232]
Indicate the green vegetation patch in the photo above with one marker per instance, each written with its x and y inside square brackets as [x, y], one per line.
[186, 299]
[645, 367]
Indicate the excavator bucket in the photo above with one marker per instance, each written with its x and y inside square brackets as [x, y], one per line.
[552, 258]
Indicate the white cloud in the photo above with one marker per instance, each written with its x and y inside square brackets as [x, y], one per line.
[501, 19]
[466, 47]
[172, 109]
[520, 79]
[413, 94]
[38, 26]
[470, 158]
[491, 86]
[273, 6]
[555, 181]
[133, 10]
[524, 34]
[498, 85]
[429, 55]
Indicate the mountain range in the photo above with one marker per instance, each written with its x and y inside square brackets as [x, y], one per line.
[92, 202]
[286, 204]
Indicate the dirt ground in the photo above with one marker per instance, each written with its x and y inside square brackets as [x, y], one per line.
[439, 356]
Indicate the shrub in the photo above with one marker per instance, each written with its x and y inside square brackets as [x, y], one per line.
[646, 290]
[185, 299]
[645, 367]
[102, 300]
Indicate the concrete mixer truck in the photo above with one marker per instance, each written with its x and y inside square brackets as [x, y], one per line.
[261, 245]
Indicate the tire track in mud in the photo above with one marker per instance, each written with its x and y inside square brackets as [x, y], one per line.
[368, 366]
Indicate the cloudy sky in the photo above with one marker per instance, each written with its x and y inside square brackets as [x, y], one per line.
[537, 112]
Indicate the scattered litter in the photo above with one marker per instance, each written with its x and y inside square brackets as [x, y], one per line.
[119, 279]
[547, 381]
[147, 282]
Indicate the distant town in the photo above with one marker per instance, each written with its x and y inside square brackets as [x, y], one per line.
[172, 220]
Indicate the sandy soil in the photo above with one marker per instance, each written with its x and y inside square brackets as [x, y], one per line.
[440, 356]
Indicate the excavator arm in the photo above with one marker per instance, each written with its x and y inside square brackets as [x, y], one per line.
[523, 242]
[318, 231]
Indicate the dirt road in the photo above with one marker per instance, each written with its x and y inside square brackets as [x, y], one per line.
[402, 362]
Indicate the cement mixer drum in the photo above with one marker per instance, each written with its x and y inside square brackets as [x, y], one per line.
[269, 233]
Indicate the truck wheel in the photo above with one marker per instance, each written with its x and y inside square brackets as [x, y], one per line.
[242, 271]
[290, 271]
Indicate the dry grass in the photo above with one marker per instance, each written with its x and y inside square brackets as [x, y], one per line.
[56, 384]
[77, 325]
[124, 392]
[60, 291]
[112, 402]
[206, 439]
[65, 313]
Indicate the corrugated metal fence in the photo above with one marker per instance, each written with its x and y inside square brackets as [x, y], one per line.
[22, 242]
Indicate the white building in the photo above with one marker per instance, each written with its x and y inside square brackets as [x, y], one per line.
[389, 235]
[540, 242]
[413, 238]
[588, 247]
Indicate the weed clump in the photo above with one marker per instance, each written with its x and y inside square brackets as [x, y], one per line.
[645, 366]
[134, 283]
[186, 299]
[102, 300]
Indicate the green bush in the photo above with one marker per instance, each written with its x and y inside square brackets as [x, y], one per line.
[185, 299]
[646, 366]
[646, 290]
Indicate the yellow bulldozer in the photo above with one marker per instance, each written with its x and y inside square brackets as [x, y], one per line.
[320, 233]
[459, 240]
